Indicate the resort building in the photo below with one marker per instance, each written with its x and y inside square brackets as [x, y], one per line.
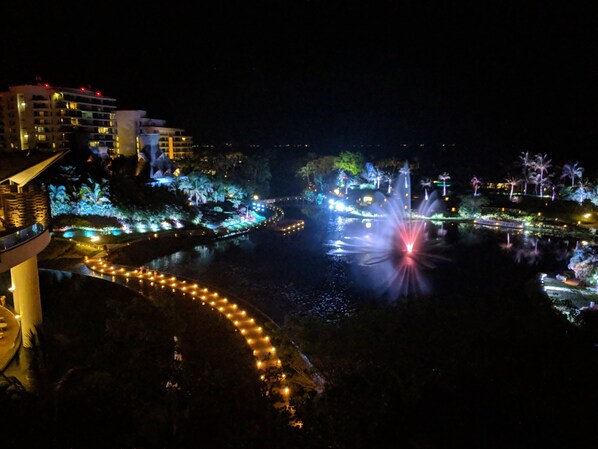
[46, 118]
[24, 233]
[174, 143]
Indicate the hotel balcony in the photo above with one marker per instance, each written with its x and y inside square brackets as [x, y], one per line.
[24, 233]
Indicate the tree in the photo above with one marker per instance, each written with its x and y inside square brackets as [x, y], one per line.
[572, 171]
[426, 183]
[444, 177]
[306, 171]
[526, 163]
[471, 205]
[350, 163]
[372, 174]
[582, 191]
[199, 189]
[542, 164]
[476, 183]
[584, 263]
[95, 192]
[512, 182]
[57, 193]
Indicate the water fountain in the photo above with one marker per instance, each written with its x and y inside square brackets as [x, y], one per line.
[397, 249]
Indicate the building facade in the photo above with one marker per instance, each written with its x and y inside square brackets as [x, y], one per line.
[85, 122]
[46, 118]
[174, 143]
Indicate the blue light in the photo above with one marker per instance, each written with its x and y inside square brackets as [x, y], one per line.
[68, 234]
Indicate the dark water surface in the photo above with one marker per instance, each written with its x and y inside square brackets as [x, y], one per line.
[297, 273]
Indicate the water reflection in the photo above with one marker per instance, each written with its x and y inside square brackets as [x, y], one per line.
[525, 247]
[302, 273]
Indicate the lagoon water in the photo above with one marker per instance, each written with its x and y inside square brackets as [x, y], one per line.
[300, 273]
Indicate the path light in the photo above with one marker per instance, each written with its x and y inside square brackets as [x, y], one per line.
[115, 270]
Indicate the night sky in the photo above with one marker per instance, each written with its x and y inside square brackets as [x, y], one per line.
[331, 74]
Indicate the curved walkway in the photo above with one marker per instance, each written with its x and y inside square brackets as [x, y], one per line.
[252, 329]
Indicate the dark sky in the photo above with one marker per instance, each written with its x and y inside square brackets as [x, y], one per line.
[517, 75]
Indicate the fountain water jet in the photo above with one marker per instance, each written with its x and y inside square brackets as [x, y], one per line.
[396, 250]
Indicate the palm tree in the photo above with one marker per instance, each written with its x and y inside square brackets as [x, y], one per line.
[444, 177]
[389, 177]
[476, 183]
[542, 164]
[513, 183]
[235, 194]
[306, 171]
[371, 173]
[582, 191]
[534, 179]
[426, 183]
[526, 164]
[95, 192]
[199, 189]
[572, 171]
[57, 193]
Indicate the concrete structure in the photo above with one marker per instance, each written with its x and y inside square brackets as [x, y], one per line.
[151, 157]
[24, 233]
[46, 118]
[174, 143]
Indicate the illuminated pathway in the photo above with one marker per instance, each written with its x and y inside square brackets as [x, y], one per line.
[268, 364]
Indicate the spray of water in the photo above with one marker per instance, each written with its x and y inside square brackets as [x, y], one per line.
[397, 249]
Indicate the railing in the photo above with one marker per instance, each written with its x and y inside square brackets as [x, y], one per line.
[21, 236]
[282, 199]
